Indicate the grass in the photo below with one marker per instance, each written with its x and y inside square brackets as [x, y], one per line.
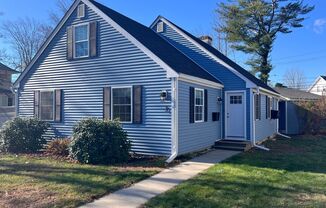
[30, 181]
[292, 174]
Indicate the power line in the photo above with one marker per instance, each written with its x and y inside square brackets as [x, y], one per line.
[303, 54]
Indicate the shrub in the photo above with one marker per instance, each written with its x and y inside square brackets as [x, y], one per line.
[58, 147]
[23, 135]
[99, 142]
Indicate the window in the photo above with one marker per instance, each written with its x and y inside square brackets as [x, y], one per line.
[268, 107]
[160, 27]
[199, 105]
[236, 99]
[47, 105]
[81, 11]
[257, 107]
[81, 41]
[122, 102]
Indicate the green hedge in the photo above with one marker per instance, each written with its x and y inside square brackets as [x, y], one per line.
[23, 135]
[96, 141]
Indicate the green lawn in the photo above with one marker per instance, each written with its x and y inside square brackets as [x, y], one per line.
[292, 174]
[27, 181]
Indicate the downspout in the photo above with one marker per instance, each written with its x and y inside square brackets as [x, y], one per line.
[174, 106]
[254, 125]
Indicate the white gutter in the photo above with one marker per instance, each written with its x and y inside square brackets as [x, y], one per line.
[254, 125]
[174, 105]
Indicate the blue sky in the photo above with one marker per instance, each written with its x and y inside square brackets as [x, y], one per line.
[304, 49]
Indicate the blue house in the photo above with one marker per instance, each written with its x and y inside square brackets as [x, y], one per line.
[172, 92]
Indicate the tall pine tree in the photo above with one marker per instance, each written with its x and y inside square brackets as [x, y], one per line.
[251, 26]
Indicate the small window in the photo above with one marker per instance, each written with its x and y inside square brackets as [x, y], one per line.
[122, 102]
[199, 105]
[160, 27]
[47, 105]
[81, 41]
[236, 99]
[257, 107]
[81, 11]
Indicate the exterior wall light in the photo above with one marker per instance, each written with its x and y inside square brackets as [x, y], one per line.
[164, 95]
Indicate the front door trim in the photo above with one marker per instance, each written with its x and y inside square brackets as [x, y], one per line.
[226, 93]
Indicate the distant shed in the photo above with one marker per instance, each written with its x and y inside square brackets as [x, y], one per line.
[291, 121]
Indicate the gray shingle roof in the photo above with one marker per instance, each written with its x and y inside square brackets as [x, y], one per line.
[6, 68]
[295, 94]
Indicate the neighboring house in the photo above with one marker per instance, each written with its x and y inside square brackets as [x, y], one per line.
[172, 92]
[319, 86]
[6, 93]
[292, 120]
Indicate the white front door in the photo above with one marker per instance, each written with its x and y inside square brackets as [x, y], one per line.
[235, 115]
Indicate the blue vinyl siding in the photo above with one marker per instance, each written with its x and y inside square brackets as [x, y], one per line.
[228, 78]
[265, 127]
[119, 63]
[196, 136]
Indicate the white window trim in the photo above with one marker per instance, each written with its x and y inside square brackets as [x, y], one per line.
[195, 105]
[74, 40]
[84, 10]
[53, 105]
[131, 100]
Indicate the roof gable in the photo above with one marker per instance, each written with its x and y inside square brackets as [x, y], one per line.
[243, 73]
[143, 37]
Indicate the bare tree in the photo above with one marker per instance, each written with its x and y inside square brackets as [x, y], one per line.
[295, 79]
[57, 14]
[25, 37]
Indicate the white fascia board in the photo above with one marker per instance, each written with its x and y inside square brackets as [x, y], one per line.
[47, 42]
[170, 72]
[266, 92]
[199, 81]
[249, 84]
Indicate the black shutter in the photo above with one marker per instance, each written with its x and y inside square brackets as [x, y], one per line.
[58, 104]
[259, 101]
[137, 104]
[93, 38]
[37, 104]
[70, 47]
[107, 103]
[205, 106]
[192, 105]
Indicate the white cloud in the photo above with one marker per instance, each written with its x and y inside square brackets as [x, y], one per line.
[319, 25]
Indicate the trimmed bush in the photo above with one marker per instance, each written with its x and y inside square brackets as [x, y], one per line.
[99, 142]
[58, 147]
[23, 135]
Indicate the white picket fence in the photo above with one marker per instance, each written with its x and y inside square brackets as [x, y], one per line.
[6, 113]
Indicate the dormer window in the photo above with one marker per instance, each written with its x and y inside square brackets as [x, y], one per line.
[81, 41]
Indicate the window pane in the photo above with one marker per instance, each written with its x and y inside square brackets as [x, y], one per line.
[82, 49]
[46, 106]
[122, 104]
[199, 97]
[81, 33]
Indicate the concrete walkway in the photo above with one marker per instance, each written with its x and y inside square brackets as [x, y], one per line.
[139, 193]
